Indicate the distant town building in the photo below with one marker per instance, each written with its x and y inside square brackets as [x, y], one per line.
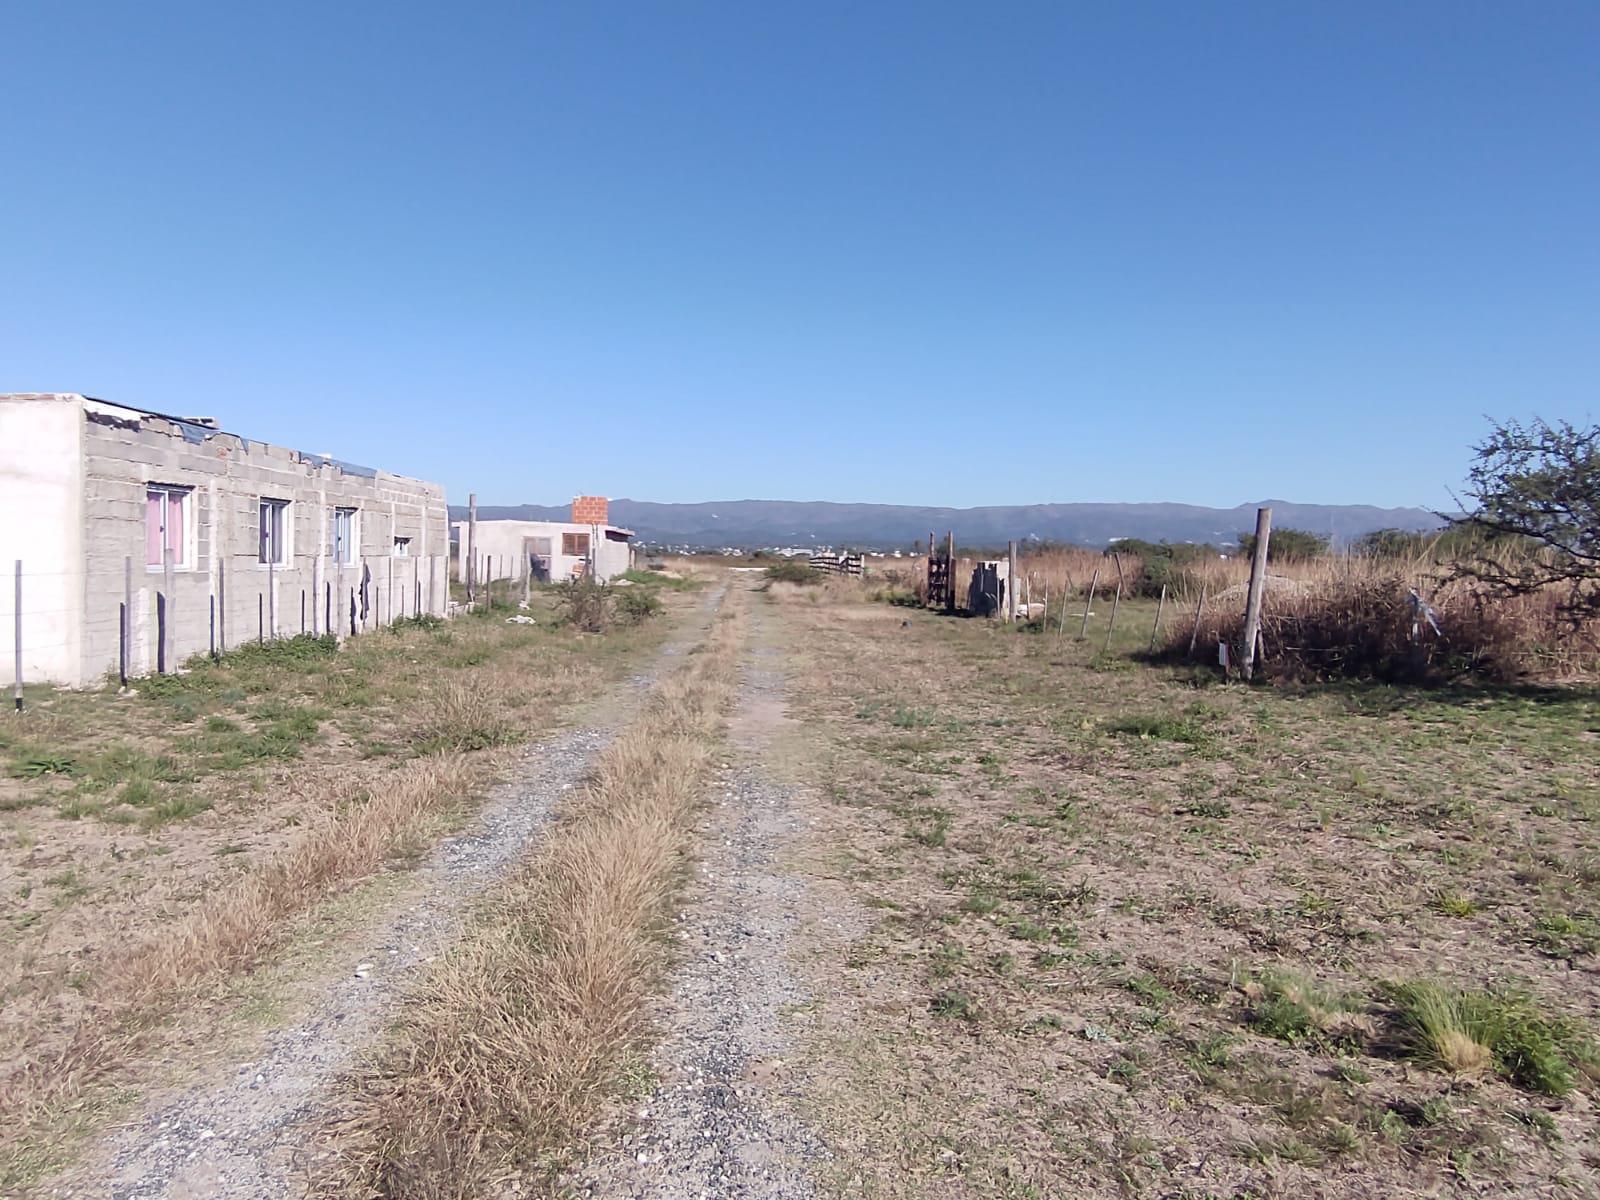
[588, 545]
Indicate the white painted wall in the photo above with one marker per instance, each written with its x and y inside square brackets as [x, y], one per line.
[41, 523]
[501, 543]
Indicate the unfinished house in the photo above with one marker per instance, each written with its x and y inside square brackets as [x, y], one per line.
[145, 539]
[551, 551]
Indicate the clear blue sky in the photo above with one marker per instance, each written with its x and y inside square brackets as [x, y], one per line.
[920, 253]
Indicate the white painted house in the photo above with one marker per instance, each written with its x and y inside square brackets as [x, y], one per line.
[555, 550]
[126, 521]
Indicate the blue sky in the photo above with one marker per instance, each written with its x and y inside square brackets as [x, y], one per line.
[914, 253]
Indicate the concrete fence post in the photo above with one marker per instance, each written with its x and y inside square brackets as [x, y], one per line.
[16, 640]
[1258, 585]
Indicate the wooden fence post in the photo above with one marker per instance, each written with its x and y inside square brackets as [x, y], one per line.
[1258, 584]
[16, 640]
[1088, 606]
[471, 555]
[950, 571]
[164, 610]
[1115, 604]
[1199, 608]
[1011, 582]
[127, 617]
[1160, 608]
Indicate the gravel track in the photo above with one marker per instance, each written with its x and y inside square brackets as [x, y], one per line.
[720, 1124]
[239, 1137]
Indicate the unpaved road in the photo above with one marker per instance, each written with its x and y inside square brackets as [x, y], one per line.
[722, 1121]
[240, 1137]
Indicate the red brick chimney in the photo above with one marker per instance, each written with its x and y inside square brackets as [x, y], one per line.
[590, 510]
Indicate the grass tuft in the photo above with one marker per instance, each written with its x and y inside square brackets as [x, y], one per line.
[1479, 1032]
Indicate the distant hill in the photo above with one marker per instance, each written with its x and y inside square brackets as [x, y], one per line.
[752, 523]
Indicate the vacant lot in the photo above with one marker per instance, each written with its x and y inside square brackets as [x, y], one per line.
[153, 843]
[1136, 933]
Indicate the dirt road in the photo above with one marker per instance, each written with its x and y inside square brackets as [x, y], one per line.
[722, 1121]
[240, 1133]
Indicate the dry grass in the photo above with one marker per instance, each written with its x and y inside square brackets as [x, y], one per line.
[156, 928]
[1122, 931]
[228, 932]
[515, 1035]
[1356, 618]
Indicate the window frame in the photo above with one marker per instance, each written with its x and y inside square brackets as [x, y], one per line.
[400, 547]
[570, 547]
[184, 560]
[283, 544]
[353, 550]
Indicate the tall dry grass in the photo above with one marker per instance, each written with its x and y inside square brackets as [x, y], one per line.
[1363, 623]
[361, 821]
[1332, 615]
[516, 1033]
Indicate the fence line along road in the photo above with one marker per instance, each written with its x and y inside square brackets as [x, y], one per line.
[174, 615]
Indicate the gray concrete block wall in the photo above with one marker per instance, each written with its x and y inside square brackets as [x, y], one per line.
[228, 477]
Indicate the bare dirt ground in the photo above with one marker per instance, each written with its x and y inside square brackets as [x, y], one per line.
[1138, 935]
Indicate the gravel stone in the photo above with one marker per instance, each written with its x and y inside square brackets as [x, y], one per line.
[721, 1123]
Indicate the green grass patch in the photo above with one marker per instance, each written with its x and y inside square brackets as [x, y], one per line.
[1161, 727]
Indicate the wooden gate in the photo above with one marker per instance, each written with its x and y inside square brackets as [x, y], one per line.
[942, 574]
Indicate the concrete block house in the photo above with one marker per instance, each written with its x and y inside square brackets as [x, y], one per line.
[218, 538]
[556, 550]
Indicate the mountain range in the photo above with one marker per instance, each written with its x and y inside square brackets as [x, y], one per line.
[755, 523]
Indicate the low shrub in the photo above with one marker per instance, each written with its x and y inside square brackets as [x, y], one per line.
[636, 604]
[584, 604]
[794, 570]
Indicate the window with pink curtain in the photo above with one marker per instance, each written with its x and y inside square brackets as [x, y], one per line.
[164, 525]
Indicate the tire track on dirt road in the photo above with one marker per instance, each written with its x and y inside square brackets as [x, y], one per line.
[241, 1137]
[721, 1123]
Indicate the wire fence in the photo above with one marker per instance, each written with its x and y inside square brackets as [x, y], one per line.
[75, 626]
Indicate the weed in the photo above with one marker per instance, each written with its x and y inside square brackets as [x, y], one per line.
[1149, 727]
[1295, 1008]
[174, 808]
[37, 765]
[1565, 935]
[952, 1003]
[1454, 904]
